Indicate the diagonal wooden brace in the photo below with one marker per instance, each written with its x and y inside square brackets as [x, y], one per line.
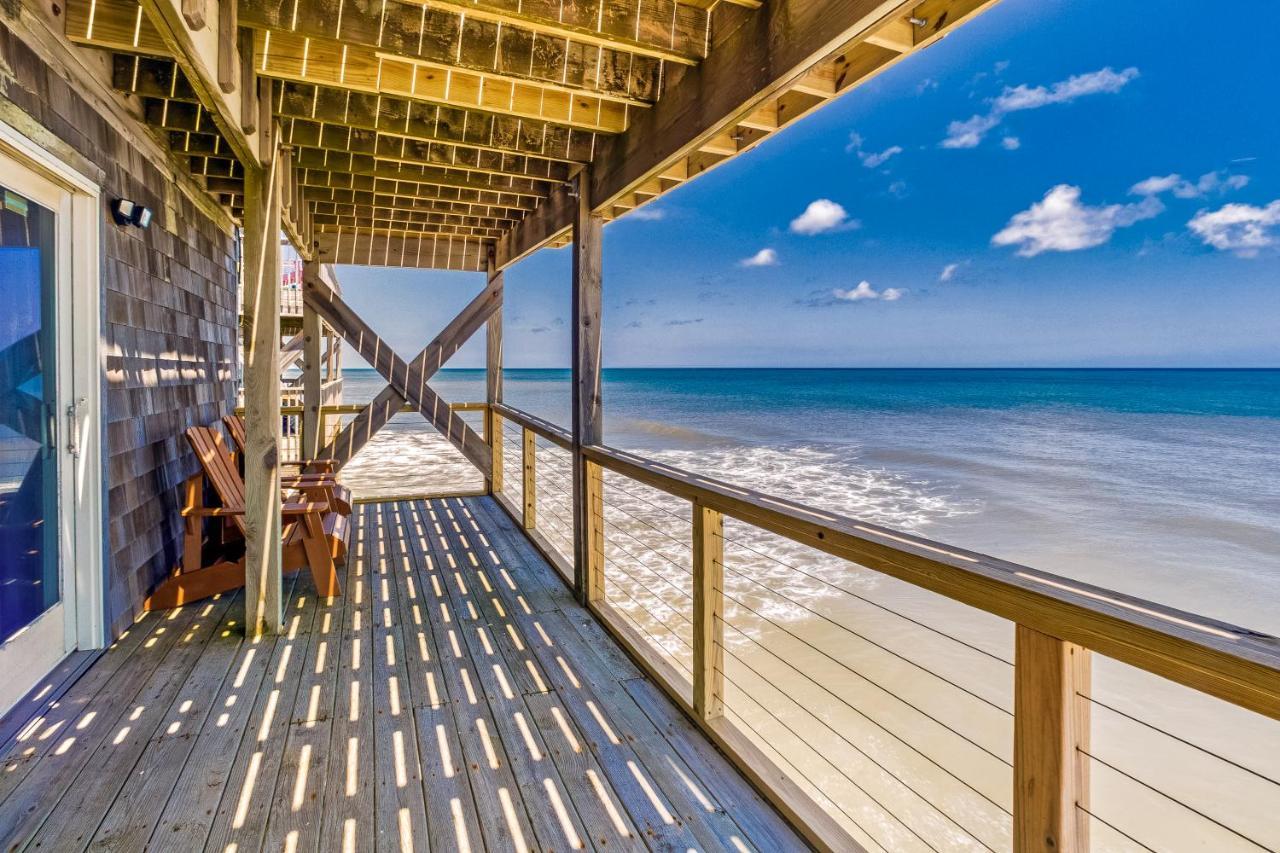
[407, 381]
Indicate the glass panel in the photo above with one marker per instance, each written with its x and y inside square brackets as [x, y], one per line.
[29, 578]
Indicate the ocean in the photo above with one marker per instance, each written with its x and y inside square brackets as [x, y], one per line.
[1162, 484]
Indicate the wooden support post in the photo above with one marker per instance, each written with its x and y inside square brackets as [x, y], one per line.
[529, 460]
[1050, 736]
[262, 399]
[588, 415]
[493, 382]
[312, 332]
[708, 612]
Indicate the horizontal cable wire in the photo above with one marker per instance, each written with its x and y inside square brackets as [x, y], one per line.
[1179, 739]
[1174, 800]
[835, 696]
[821, 580]
[821, 755]
[1114, 828]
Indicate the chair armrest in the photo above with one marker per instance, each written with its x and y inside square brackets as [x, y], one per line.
[304, 508]
[211, 511]
[316, 480]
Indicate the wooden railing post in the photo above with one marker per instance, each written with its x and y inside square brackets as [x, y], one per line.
[493, 383]
[588, 414]
[529, 458]
[263, 559]
[1050, 736]
[708, 612]
[312, 332]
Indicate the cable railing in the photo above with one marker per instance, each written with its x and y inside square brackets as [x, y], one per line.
[899, 694]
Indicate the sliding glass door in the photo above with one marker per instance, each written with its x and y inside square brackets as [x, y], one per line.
[30, 580]
[50, 387]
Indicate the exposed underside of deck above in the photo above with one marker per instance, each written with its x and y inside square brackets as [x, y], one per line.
[434, 134]
[455, 696]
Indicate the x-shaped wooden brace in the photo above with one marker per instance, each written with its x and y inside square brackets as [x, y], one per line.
[406, 381]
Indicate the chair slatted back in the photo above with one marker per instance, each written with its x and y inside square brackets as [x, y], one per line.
[215, 459]
[235, 429]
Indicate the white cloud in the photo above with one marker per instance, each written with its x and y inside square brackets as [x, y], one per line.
[1060, 223]
[1011, 143]
[822, 216]
[864, 291]
[871, 161]
[1209, 182]
[762, 258]
[970, 132]
[949, 272]
[648, 213]
[1241, 228]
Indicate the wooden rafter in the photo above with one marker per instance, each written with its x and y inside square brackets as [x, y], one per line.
[380, 249]
[444, 38]
[340, 65]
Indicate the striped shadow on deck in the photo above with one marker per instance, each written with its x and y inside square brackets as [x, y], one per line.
[455, 697]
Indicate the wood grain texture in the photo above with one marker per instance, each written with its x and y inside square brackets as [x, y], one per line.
[262, 520]
[456, 683]
[587, 399]
[708, 612]
[493, 381]
[1050, 738]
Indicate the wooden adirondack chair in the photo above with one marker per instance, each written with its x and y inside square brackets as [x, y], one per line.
[316, 471]
[314, 536]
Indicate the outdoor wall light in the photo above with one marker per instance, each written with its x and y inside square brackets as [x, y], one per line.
[127, 212]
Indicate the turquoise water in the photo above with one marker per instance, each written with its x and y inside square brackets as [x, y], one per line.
[1160, 483]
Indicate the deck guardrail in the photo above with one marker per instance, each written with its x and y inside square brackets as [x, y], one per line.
[1039, 726]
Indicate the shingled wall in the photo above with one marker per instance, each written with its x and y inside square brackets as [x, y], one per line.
[169, 328]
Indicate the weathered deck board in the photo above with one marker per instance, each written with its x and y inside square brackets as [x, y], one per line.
[454, 697]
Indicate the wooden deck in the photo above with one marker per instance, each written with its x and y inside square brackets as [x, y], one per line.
[455, 697]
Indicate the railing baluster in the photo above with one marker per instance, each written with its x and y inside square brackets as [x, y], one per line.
[530, 458]
[708, 612]
[493, 437]
[1050, 735]
[594, 545]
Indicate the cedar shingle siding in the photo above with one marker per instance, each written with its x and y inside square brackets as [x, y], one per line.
[168, 334]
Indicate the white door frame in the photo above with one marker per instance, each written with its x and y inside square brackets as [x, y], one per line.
[82, 544]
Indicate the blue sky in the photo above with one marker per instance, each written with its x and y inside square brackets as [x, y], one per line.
[1093, 182]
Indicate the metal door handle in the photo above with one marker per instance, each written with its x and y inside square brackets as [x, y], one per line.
[73, 424]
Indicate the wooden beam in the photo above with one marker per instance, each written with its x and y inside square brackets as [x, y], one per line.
[493, 378]
[664, 29]
[396, 250]
[388, 146]
[263, 560]
[409, 204]
[1050, 738]
[196, 52]
[333, 310]
[460, 43]
[424, 185]
[708, 612]
[327, 63]
[311, 334]
[410, 171]
[432, 122]
[588, 413]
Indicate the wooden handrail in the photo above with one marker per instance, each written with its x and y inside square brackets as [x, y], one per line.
[1059, 623]
[556, 435]
[1223, 660]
